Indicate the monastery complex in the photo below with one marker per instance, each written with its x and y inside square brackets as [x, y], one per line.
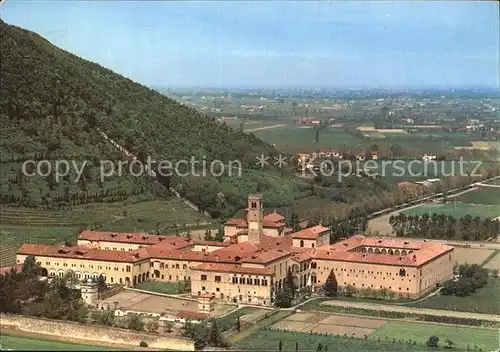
[252, 261]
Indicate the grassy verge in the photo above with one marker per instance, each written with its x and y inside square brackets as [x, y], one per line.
[24, 343]
[485, 300]
[265, 340]
[463, 337]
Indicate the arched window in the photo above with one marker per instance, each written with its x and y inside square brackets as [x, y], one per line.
[302, 243]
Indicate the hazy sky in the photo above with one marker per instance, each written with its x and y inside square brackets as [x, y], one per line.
[232, 43]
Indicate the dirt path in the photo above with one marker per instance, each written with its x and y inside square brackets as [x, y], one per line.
[413, 310]
[264, 128]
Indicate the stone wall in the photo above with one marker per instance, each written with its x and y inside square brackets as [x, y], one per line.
[93, 332]
[110, 292]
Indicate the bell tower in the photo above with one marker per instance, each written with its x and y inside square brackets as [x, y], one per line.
[255, 218]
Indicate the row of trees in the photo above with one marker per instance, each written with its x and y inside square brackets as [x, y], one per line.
[441, 226]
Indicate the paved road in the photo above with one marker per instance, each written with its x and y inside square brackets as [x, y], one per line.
[412, 310]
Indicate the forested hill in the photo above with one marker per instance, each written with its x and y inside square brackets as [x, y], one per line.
[52, 102]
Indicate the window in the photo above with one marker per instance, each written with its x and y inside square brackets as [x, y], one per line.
[217, 278]
[249, 281]
[256, 282]
[235, 280]
[128, 268]
[217, 289]
[203, 288]
[177, 266]
[184, 266]
[302, 243]
[203, 277]
[264, 282]
[242, 280]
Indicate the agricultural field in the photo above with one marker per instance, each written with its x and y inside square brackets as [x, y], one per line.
[486, 196]
[55, 226]
[494, 262]
[457, 210]
[465, 255]
[465, 338]
[485, 300]
[329, 324]
[26, 343]
[266, 340]
[293, 138]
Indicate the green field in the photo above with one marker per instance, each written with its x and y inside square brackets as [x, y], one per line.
[54, 226]
[163, 287]
[484, 300]
[457, 210]
[265, 340]
[488, 196]
[292, 138]
[486, 339]
[24, 343]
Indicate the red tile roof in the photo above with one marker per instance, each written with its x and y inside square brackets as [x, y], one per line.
[127, 237]
[266, 256]
[83, 252]
[5, 270]
[274, 217]
[232, 268]
[311, 233]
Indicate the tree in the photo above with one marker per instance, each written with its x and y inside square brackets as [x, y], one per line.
[30, 267]
[238, 324]
[208, 236]
[296, 347]
[106, 317]
[152, 326]
[135, 322]
[101, 283]
[449, 343]
[331, 285]
[188, 234]
[432, 341]
[71, 278]
[280, 346]
[167, 326]
[215, 337]
[289, 281]
[320, 347]
[283, 297]
[294, 222]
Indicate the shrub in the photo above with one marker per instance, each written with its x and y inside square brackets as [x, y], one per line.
[143, 344]
[432, 341]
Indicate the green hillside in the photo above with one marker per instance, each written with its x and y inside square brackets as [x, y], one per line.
[53, 106]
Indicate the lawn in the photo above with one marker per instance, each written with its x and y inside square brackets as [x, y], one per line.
[21, 225]
[265, 340]
[24, 343]
[489, 196]
[484, 300]
[457, 210]
[486, 339]
[164, 287]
